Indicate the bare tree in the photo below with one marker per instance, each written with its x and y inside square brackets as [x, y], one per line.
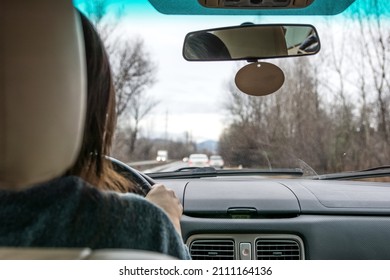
[277, 130]
[374, 39]
[142, 105]
[133, 72]
[376, 45]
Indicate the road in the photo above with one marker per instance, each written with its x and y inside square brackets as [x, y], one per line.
[171, 166]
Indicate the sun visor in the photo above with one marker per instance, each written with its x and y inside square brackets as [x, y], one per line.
[249, 7]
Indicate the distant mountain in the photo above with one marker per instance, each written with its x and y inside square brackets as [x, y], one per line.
[210, 146]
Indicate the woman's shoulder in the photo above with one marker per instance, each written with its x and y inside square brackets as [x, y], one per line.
[127, 220]
[137, 210]
[149, 226]
[113, 202]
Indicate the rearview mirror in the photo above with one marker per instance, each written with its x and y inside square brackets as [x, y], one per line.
[251, 42]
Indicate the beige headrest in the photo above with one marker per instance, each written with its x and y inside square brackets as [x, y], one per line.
[42, 90]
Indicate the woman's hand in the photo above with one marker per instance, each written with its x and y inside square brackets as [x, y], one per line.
[167, 200]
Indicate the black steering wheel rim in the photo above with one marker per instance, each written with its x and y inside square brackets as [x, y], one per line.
[143, 181]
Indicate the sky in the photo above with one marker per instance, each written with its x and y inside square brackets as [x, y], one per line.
[191, 95]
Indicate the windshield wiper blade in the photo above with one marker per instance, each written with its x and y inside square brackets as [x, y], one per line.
[383, 167]
[381, 171]
[201, 172]
[196, 169]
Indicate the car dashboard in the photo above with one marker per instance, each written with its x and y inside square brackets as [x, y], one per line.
[283, 219]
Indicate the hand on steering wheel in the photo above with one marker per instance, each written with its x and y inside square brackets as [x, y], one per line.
[161, 196]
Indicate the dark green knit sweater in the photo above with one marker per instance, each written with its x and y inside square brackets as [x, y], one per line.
[67, 212]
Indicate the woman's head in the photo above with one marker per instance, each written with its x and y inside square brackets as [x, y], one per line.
[205, 45]
[100, 122]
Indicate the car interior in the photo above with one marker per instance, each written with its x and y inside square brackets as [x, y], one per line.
[227, 214]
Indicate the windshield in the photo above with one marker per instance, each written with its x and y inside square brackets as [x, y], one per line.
[331, 114]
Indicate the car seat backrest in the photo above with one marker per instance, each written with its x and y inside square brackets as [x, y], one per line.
[42, 90]
[79, 254]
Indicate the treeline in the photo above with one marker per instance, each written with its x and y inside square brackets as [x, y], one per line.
[147, 148]
[332, 113]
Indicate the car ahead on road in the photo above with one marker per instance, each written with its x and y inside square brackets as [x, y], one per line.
[216, 161]
[162, 155]
[198, 160]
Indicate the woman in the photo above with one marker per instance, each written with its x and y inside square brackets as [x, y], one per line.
[91, 164]
[69, 212]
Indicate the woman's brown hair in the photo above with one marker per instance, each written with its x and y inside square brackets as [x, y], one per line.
[91, 164]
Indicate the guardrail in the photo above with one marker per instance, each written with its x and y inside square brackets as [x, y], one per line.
[147, 164]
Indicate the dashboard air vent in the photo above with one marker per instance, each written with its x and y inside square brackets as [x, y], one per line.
[212, 250]
[274, 249]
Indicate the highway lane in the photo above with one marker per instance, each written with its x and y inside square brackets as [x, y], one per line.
[168, 167]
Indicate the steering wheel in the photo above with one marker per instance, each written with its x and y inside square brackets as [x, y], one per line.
[143, 181]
